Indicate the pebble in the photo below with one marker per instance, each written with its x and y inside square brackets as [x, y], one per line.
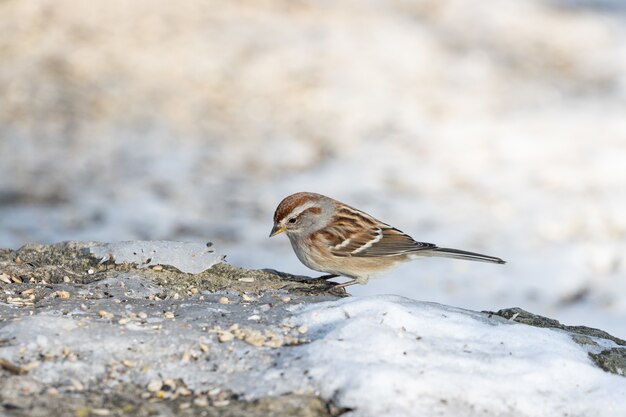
[254, 317]
[66, 279]
[246, 297]
[142, 315]
[168, 315]
[303, 329]
[91, 271]
[286, 299]
[223, 300]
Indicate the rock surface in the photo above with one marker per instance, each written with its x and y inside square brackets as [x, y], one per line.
[82, 335]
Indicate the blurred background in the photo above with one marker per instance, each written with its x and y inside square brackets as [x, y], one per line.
[497, 127]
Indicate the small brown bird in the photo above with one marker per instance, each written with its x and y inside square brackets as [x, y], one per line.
[332, 237]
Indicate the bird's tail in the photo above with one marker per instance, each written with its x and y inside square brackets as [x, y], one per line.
[460, 254]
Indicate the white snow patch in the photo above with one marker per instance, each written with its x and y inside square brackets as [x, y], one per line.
[189, 257]
[391, 356]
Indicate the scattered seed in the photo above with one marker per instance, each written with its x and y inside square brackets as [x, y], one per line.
[204, 348]
[224, 336]
[63, 295]
[142, 315]
[222, 403]
[100, 411]
[157, 268]
[223, 300]
[168, 315]
[201, 401]
[303, 329]
[91, 271]
[246, 279]
[254, 317]
[154, 385]
[105, 314]
[128, 364]
[5, 278]
[286, 299]
[66, 279]
[123, 321]
[246, 297]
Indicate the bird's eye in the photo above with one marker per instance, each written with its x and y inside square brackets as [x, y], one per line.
[292, 220]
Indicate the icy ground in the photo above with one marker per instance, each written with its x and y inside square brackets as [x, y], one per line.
[188, 257]
[496, 127]
[377, 355]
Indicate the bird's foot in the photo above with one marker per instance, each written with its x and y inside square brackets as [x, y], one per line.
[346, 284]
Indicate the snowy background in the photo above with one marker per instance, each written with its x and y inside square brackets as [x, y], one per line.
[493, 127]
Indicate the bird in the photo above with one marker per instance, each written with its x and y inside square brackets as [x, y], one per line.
[339, 240]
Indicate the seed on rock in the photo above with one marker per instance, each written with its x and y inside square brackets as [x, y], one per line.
[5, 278]
[66, 279]
[157, 268]
[201, 401]
[222, 403]
[154, 385]
[223, 300]
[225, 336]
[168, 315]
[63, 295]
[286, 299]
[303, 329]
[246, 298]
[246, 279]
[142, 315]
[123, 321]
[128, 364]
[203, 347]
[105, 314]
[91, 271]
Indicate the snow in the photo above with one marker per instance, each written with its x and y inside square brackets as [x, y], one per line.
[392, 356]
[189, 257]
[376, 355]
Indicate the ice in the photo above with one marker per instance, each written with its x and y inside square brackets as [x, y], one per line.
[392, 356]
[189, 257]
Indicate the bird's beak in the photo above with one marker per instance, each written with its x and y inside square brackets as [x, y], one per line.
[276, 230]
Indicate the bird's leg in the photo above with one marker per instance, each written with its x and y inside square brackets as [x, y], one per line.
[329, 276]
[345, 284]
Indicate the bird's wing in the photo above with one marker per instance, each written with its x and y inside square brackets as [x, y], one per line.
[381, 241]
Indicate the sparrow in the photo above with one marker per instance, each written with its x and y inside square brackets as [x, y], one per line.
[332, 237]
